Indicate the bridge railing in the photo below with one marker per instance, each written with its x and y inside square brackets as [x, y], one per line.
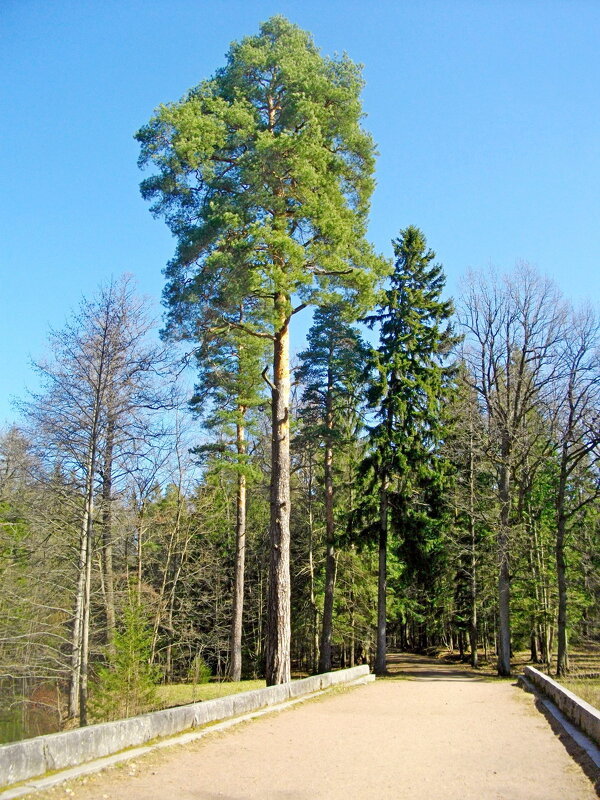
[581, 714]
[31, 758]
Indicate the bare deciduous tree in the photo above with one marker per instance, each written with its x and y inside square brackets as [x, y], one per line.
[513, 326]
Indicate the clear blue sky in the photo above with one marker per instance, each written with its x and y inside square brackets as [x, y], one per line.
[486, 115]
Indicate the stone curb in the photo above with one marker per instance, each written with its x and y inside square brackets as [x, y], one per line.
[30, 758]
[576, 735]
[583, 715]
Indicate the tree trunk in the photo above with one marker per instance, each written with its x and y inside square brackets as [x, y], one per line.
[562, 662]
[380, 658]
[311, 566]
[277, 648]
[107, 541]
[473, 537]
[77, 621]
[80, 632]
[235, 664]
[325, 659]
[533, 644]
[85, 623]
[503, 571]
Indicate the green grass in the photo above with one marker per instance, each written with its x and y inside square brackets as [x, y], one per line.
[586, 688]
[178, 694]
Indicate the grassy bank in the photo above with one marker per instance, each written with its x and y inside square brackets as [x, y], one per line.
[178, 694]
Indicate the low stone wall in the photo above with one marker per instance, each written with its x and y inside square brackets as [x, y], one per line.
[33, 757]
[580, 713]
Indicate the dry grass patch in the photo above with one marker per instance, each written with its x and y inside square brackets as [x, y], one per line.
[178, 694]
[588, 689]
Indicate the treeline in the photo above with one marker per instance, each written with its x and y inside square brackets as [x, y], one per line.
[431, 484]
[435, 487]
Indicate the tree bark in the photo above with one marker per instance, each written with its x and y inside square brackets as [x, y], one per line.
[80, 634]
[235, 664]
[381, 656]
[85, 626]
[503, 571]
[562, 662]
[78, 618]
[311, 566]
[107, 560]
[278, 639]
[472, 531]
[325, 658]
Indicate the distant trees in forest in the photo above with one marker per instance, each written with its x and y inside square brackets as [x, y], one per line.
[165, 554]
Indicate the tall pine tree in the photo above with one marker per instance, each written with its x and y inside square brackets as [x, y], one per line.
[264, 176]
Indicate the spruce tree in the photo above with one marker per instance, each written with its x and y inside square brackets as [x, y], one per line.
[410, 379]
[126, 685]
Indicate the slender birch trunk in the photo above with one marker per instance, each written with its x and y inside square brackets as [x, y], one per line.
[85, 624]
[78, 616]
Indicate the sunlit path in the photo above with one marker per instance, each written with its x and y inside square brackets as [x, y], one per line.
[431, 730]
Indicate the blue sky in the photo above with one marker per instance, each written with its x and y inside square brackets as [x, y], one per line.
[486, 115]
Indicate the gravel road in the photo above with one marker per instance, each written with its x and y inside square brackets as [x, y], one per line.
[431, 731]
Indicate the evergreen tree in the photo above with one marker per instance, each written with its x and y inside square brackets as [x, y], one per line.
[264, 176]
[473, 503]
[125, 686]
[330, 374]
[407, 393]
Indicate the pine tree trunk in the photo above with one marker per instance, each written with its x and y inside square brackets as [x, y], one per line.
[311, 566]
[381, 656]
[325, 659]
[235, 665]
[277, 648]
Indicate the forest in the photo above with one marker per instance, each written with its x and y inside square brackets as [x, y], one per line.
[422, 475]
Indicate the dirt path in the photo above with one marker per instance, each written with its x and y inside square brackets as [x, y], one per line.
[436, 732]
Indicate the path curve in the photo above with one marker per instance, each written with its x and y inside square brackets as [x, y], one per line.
[433, 730]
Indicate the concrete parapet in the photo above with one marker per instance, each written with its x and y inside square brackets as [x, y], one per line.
[306, 686]
[33, 757]
[21, 760]
[344, 676]
[580, 713]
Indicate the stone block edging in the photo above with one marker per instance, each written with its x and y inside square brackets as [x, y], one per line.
[583, 715]
[31, 758]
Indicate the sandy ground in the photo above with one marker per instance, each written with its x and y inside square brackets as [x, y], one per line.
[437, 731]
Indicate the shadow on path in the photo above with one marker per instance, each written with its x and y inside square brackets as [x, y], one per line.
[411, 666]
